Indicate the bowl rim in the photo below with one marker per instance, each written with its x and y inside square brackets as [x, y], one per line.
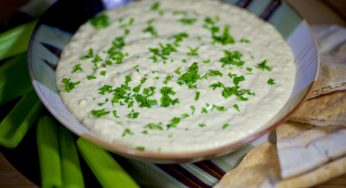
[178, 157]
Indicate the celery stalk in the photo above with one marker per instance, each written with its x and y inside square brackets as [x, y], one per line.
[48, 152]
[16, 40]
[72, 176]
[17, 123]
[107, 171]
[14, 79]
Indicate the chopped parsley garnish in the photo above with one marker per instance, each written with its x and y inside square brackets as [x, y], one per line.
[193, 51]
[154, 126]
[271, 81]
[103, 73]
[184, 116]
[207, 61]
[204, 110]
[232, 58]
[128, 79]
[127, 132]
[179, 38]
[197, 94]
[225, 126]
[91, 77]
[177, 71]
[219, 108]
[168, 78]
[174, 122]
[249, 69]
[69, 85]
[118, 43]
[235, 106]
[238, 79]
[89, 55]
[133, 114]
[224, 38]
[145, 101]
[151, 30]
[117, 56]
[190, 77]
[263, 65]
[202, 125]
[166, 100]
[140, 148]
[115, 114]
[99, 113]
[244, 40]
[217, 85]
[155, 6]
[162, 53]
[187, 21]
[212, 73]
[100, 21]
[77, 68]
[105, 89]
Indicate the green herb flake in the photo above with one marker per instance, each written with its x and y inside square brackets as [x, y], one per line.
[89, 55]
[69, 85]
[236, 107]
[217, 85]
[166, 100]
[99, 113]
[100, 21]
[218, 108]
[263, 65]
[154, 126]
[151, 30]
[238, 79]
[162, 53]
[249, 69]
[167, 79]
[204, 110]
[197, 94]
[187, 21]
[140, 148]
[212, 73]
[207, 61]
[190, 77]
[193, 108]
[127, 132]
[225, 126]
[179, 38]
[128, 79]
[184, 116]
[202, 125]
[271, 81]
[174, 122]
[103, 73]
[77, 68]
[133, 114]
[115, 114]
[177, 71]
[244, 40]
[232, 58]
[91, 77]
[193, 51]
[155, 6]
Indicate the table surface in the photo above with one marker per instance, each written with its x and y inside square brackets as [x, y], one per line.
[333, 13]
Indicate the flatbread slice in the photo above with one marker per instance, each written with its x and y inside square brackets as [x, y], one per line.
[259, 168]
[323, 111]
[303, 147]
[332, 74]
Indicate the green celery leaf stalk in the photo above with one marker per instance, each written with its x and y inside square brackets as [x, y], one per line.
[72, 176]
[48, 152]
[17, 123]
[16, 40]
[107, 171]
[14, 79]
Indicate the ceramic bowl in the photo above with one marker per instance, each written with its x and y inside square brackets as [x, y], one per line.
[58, 24]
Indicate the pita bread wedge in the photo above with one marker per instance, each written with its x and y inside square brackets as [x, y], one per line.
[322, 174]
[259, 168]
[323, 111]
[332, 75]
[302, 147]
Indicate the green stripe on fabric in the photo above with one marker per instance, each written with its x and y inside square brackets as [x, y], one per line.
[232, 160]
[285, 20]
[257, 7]
[200, 174]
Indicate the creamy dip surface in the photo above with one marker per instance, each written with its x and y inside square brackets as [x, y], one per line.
[175, 76]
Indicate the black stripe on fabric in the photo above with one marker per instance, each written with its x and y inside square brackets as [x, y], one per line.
[211, 168]
[182, 175]
[55, 50]
[270, 9]
[50, 64]
[243, 3]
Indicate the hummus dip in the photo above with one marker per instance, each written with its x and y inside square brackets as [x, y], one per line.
[175, 76]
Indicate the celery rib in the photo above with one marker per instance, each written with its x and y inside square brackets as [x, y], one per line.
[16, 40]
[107, 171]
[48, 152]
[17, 123]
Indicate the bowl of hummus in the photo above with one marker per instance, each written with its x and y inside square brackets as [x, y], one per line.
[174, 81]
